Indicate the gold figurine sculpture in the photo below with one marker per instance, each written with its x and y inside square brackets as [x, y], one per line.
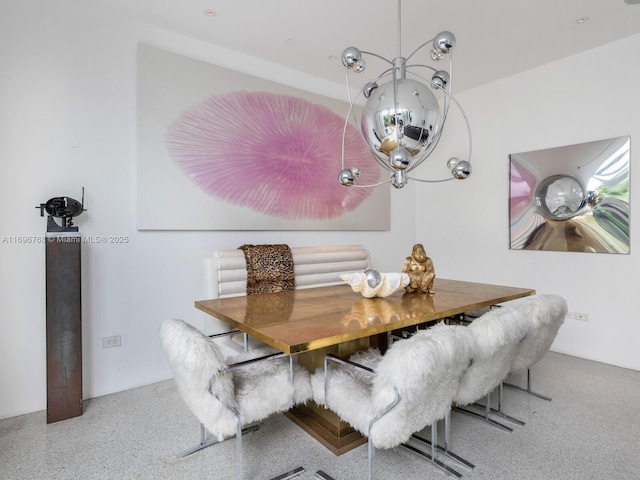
[420, 269]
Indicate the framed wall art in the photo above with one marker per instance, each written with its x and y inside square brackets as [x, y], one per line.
[223, 150]
[573, 198]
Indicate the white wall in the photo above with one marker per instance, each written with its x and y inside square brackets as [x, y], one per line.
[587, 97]
[68, 99]
[67, 93]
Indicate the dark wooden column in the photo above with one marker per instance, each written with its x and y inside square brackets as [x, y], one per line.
[64, 326]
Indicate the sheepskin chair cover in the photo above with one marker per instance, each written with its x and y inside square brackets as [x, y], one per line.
[425, 369]
[496, 335]
[212, 392]
[546, 313]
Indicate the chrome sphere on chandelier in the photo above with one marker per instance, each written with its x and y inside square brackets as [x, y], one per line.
[402, 121]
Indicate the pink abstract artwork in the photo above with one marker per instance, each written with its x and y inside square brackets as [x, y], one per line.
[278, 155]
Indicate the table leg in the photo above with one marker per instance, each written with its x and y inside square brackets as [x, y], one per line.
[322, 424]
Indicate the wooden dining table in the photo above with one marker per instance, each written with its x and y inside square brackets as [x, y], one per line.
[312, 322]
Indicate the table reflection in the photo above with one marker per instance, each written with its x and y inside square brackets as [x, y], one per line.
[368, 311]
[277, 309]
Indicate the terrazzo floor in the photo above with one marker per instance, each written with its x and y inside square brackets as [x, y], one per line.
[590, 430]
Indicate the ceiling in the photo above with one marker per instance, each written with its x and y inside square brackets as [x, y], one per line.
[495, 38]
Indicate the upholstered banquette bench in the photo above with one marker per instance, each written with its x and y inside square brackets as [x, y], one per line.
[225, 272]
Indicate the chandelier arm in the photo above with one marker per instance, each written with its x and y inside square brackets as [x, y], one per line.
[429, 149]
[431, 181]
[344, 134]
[450, 72]
[372, 185]
[346, 119]
[437, 139]
[376, 55]
[447, 89]
[387, 72]
[351, 100]
[382, 163]
[435, 142]
[423, 66]
[445, 110]
[352, 113]
[420, 47]
[447, 97]
[466, 121]
[469, 139]
[426, 155]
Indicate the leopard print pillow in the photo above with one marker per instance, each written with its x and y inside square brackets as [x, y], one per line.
[269, 268]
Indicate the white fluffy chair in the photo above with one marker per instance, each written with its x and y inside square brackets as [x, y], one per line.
[546, 314]
[390, 397]
[226, 397]
[496, 335]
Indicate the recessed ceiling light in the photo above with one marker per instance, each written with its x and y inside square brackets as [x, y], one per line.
[210, 13]
[582, 20]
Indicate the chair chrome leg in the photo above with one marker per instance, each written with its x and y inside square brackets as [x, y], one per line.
[487, 415]
[197, 447]
[372, 458]
[212, 441]
[528, 388]
[490, 421]
[447, 441]
[447, 453]
[434, 448]
[239, 462]
[499, 411]
[446, 469]
[292, 474]
[444, 450]
[434, 440]
[323, 475]
[508, 418]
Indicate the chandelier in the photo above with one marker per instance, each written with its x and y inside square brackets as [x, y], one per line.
[402, 120]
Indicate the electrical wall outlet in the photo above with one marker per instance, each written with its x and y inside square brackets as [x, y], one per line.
[581, 316]
[108, 342]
